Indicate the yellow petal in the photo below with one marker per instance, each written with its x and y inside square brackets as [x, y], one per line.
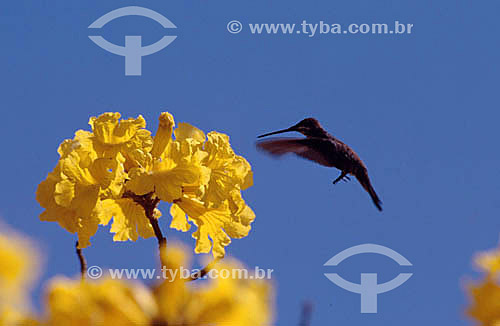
[46, 189]
[239, 226]
[140, 181]
[220, 186]
[64, 192]
[185, 131]
[168, 184]
[230, 172]
[113, 185]
[78, 216]
[77, 156]
[203, 243]
[179, 219]
[129, 220]
[218, 148]
[137, 150]
[212, 223]
[108, 128]
[243, 171]
[85, 199]
[66, 217]
[163, 135]
[103, 170]
[87, 227]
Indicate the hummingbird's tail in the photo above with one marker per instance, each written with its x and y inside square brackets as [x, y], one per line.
[364, 180]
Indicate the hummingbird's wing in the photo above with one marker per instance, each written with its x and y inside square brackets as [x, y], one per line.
[313, 149]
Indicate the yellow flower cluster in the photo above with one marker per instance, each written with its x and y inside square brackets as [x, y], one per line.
[114, 302]
[485, 306]
[100, 175]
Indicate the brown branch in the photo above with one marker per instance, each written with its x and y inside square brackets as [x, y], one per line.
[204, 271]
[162, 241]
[83, 263]
[149, 203]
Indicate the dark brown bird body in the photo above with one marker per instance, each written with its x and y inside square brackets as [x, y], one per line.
[323, 148]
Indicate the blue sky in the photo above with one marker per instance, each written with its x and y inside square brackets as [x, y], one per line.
[420, 109]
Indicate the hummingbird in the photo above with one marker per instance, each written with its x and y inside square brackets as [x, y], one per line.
[321, 147]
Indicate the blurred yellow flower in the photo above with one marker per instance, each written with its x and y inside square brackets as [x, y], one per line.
[18, 269]
[489, 262]
[117, 169]
[485, 307]
[172, 302]
[13, 317]
[485, 295]
[223, 301]
[105, 302]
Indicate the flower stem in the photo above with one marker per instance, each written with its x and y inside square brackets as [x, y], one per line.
[83, 262]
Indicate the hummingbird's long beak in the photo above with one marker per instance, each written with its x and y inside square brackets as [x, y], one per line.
[277, 132]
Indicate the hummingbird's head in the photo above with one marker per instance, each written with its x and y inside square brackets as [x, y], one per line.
[309, 127]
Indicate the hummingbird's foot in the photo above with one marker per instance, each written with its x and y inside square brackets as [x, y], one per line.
[342, 176]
